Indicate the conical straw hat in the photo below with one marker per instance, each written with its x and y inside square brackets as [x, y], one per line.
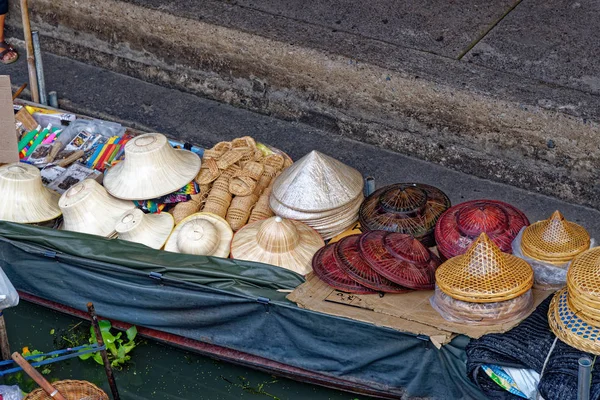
[583, 282]
[555, 240]
[203, 234]
[317, 183]
[484, 274]
[25, 199]
[152, 230]
[88, 208]
[283, 242]
[152, 168]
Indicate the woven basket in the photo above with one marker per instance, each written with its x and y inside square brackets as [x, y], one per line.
[274, 160]
[239, 211]
[229, 158]
[218, 202]
[71, 390]
[261, 209]
[243, 182]
[222, 183]
[209, 171]
[555, 240]
[218, 150]
[484, 274]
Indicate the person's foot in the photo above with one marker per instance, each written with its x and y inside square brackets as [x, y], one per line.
[8, 54]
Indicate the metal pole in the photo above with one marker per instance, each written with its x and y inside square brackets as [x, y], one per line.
[53, 99]
[369, 185]
[39, 67]
[584, 378]
[107, 368]
[4, 346]
[33, 86]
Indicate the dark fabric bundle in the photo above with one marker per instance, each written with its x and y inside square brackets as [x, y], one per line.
[527, 346]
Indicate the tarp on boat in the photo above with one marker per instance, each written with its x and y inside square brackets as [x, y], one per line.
[229, 303]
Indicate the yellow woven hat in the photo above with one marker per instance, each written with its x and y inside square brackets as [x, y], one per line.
[555, 240]
[583, 282]
[203, 234]
[484, 274]
[283, 242]
[149, 229]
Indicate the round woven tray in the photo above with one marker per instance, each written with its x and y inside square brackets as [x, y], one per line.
[71, 390]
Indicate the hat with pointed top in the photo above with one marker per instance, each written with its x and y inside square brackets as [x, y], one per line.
[484, 274]
[555, 240]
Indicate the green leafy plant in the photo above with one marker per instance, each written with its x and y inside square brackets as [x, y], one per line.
[45, 368]
[117, 346]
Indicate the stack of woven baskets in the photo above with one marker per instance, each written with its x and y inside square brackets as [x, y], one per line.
[320, 191]
[235, 182]
[483, 286]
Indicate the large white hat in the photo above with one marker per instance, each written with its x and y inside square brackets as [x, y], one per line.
[203, 234]
[88, 208]
[24, 197]
[151, 168]
[153, 230]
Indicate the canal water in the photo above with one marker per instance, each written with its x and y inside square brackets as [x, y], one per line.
[155, 371]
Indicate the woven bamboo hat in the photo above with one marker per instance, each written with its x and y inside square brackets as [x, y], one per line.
[317, 183]
[282, 242]
[88, 208]
[149, 229]
[555, 240]
[152, 168]
[25, 199]
[461, 224]
[484, 274]
[583, 282]
[326, 267]
[203, 234]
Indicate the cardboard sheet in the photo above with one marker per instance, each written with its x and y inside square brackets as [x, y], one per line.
[408, 312]
[8, 135]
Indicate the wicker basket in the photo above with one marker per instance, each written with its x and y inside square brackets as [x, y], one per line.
[71, 390]
[239, 211]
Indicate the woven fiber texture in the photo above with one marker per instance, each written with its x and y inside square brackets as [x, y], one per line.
[201, 234]
[71, 390]
[583, 283]
[325, 266]
[484, 274]
[555, 240]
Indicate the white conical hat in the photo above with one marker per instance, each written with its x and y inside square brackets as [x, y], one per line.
[202, 234]
[151, 168]
[24, 197]
[152, 230]
[317, 183]
[88, 208]
[282, 242]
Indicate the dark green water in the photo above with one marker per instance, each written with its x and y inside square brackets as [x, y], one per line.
[156, 371]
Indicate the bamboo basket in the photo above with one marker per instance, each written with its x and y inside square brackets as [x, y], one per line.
[239, 211]
[187, 208]
[71, 390]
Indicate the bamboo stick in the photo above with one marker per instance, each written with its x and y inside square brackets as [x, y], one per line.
[37, 377]
[4, 346]
[33, 84]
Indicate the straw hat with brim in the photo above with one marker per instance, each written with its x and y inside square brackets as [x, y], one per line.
[202, 234]
[484, 274]
[555, 240]
[317, 183]
[152, 230]
[282, 242]
[25, 199]
[583, 283]
[151, 169]
[88, 208]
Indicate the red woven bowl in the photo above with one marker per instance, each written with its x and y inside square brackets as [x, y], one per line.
[326, 267]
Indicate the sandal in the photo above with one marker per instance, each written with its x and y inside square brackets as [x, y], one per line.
[7, 48]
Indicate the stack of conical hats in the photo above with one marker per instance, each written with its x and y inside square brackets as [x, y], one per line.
[574, 313]
[554, 240]
[484, 275]
[320, 191]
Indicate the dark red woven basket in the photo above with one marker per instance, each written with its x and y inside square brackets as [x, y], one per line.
[326, 267]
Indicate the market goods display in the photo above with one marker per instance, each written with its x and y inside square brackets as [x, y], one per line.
[282, 242]
[410, 208]
[325, 266]
[320, 191]
[461, 224]
[151, 169]
[88, 208]
[151, 230]
[24, 197]
[483, 275]
[202, 234]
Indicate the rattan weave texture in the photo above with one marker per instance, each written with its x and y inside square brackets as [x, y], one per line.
[71, 390]
[325, 266]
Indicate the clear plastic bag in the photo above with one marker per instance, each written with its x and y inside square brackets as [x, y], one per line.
[8, 294]
[11, 392]
[547, 276]
[481, 313]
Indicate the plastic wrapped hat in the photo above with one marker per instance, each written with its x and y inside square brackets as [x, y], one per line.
[325, 266]
[203, 234]
[151, 230]
[88, 208]
[554, 240]
[461, 224]
[484, 274]
[25, 199]
[151, 168]
[400, 258]
[411, 208]
[282, 242]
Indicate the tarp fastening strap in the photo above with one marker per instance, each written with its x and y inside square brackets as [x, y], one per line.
[155, 275]
[50, 254]
[423, 337]
[263, 300]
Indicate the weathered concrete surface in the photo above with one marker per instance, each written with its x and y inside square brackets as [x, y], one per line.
[467, 117]
[556, 41]
[105, 94]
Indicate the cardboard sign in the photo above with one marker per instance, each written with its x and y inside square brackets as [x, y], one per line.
[8, 135]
